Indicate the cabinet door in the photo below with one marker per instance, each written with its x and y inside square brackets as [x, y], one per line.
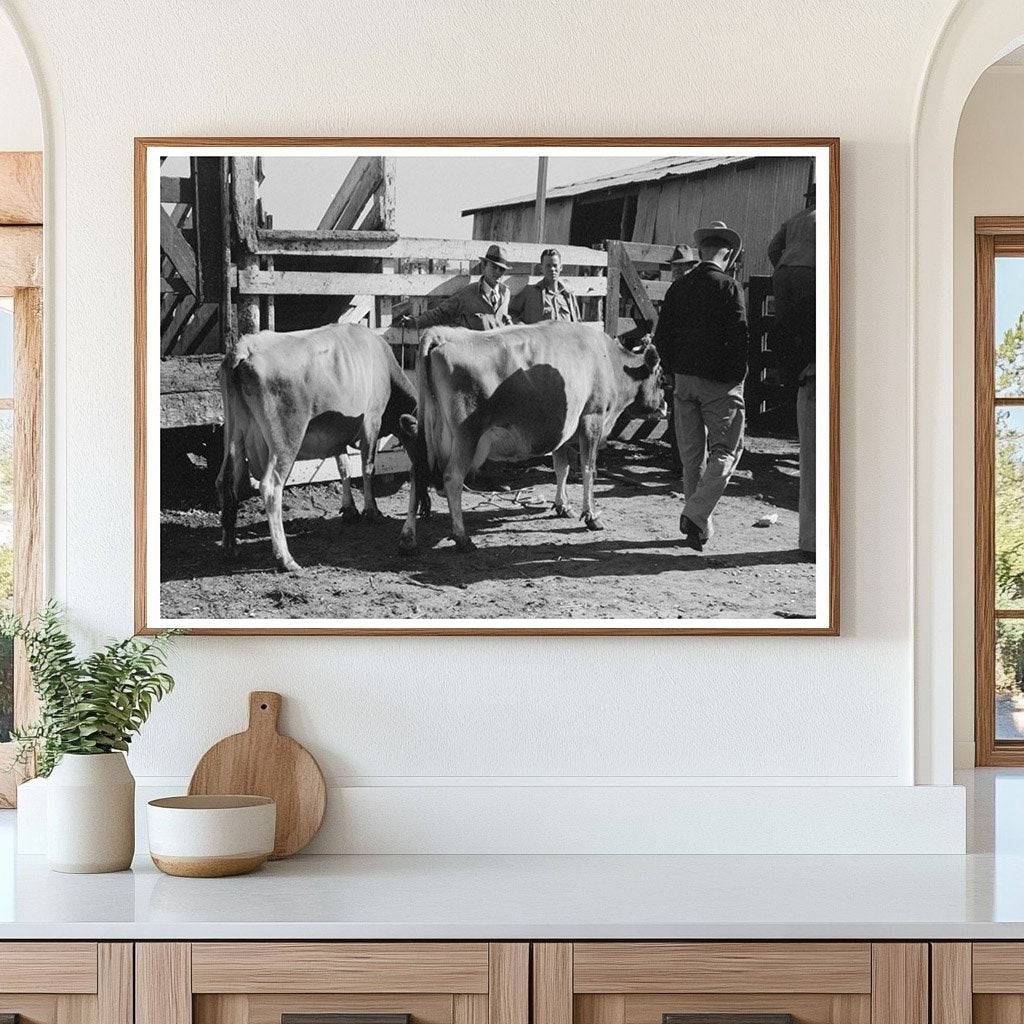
[980, 982]
[66, 982]
[750, 982]
[306, 982]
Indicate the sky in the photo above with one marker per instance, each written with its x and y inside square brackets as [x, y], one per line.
[1009, 292]
[431, 192]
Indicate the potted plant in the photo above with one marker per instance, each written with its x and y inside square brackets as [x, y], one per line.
[89, 709]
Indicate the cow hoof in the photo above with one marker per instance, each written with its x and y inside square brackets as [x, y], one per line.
[372, 515]
[464, 544]
[563, 511]
[350, 514]
[291, 566]
[407, 545]
[593, 523]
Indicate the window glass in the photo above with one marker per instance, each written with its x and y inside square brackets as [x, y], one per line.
[1009, 511]
[1009, 679]
[1009, 327]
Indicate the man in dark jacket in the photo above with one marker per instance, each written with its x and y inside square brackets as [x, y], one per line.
[702, 338]
[481, 305]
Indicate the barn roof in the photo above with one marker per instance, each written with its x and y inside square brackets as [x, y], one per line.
[654, 170]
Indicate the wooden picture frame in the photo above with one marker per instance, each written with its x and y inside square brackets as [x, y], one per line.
[256, 266]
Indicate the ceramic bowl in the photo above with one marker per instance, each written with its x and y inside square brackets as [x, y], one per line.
[211, 836]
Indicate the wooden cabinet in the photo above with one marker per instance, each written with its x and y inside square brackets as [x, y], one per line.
[259, 982]
[980, 982]
[815, 982]
[66, 982]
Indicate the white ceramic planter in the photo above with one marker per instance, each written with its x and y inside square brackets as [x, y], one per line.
[90, 814]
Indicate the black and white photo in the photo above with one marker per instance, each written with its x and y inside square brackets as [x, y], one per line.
[442, 387]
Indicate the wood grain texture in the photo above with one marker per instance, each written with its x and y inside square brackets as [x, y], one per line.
[851, 1009]
[755, 967]
[115, 983]
[48, 967]
[262, 762]
[76, 1009]
[469, 1008]
[270, 1008]
[163, 983]
[225, 1009]
[998, 1009]
[21, 258]
[984, 503]
[600, 1009]
[806, 1008]
[339, 967]
[552, 983]
[951, 983]
[509, 983]
[21, 188]
[28, 481]
[143, 143]
[899, 983]
[997, 967]
[32, 1009]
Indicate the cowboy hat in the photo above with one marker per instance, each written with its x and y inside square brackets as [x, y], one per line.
[496, 255]
[719, 232]
[684, 254]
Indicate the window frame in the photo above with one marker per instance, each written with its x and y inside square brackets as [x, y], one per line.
[993, 237]
[21, 255]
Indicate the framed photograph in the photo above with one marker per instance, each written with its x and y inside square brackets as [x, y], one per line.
[487, 386]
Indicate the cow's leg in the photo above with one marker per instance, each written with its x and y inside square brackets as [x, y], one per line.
[368, 452]
[590, 438]
[454, 478]
[349, 512]
[560, 458]
[407, 542]
[228, 488]
[272, 493]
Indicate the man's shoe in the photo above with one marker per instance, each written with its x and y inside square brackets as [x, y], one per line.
[693, 536]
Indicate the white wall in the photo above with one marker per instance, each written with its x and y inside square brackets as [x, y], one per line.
[21, 125]
[988, 181]
[444, 713]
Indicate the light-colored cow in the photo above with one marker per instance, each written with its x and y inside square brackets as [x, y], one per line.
[517, 393]
[307, 395]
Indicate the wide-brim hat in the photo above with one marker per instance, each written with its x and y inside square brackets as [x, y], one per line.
[717, 230]
[496, 255]
[684, 254]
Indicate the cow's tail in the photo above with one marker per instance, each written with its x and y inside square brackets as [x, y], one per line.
[428, 434]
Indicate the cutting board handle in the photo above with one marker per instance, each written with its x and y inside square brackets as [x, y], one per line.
[264, 710]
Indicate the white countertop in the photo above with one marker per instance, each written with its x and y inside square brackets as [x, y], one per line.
[532, 897]
[978, 896]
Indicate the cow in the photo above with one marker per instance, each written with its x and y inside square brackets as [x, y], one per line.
[520, 392]
[307, 395]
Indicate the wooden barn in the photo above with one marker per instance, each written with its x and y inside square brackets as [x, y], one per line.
[662, 202]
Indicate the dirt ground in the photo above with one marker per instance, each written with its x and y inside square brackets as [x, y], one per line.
[528, 564]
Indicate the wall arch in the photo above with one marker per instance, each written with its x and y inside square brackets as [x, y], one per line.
[976, 34]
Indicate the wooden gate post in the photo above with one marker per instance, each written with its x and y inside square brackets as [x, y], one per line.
[611, 299]
[243, 206]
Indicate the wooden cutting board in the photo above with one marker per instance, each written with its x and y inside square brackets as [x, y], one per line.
[262, 762]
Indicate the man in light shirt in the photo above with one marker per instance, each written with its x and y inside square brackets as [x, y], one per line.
[548, 299]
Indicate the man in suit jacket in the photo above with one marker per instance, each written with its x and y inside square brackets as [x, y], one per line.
[481, 306]
[548, 299]
[702, 338]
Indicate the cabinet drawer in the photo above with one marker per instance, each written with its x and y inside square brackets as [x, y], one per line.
[261, 982]
[48, 967]
[635, 967]
[340, 967]
[752, 982]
